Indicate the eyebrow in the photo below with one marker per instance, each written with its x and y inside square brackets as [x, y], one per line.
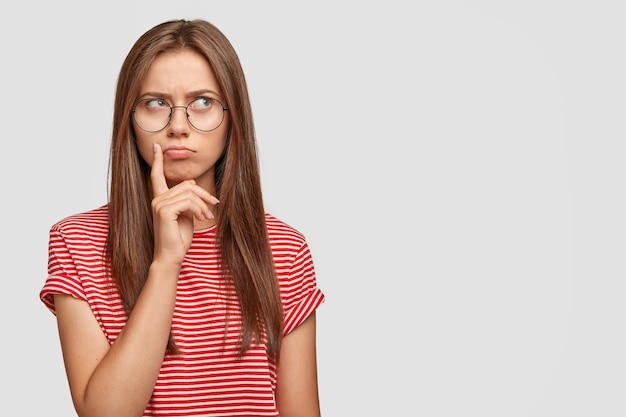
[190, 94]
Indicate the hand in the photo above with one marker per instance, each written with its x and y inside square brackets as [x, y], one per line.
[174, 210]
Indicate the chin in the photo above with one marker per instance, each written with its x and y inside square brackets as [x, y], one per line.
[172, 180]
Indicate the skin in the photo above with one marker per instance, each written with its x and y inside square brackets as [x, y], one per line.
[118, 379]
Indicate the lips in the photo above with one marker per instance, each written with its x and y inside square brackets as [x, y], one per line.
[177, 152]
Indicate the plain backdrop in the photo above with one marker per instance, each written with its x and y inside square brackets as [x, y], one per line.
[456, 166]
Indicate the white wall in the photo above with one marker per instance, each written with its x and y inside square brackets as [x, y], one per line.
[457, 168]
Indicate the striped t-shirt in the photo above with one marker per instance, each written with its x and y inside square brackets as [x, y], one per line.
[206, 378]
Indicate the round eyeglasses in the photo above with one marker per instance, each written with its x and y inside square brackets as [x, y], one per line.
[203, 113]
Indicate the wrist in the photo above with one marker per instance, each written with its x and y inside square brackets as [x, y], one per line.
[163, 267]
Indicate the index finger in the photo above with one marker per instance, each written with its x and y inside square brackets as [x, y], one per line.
[159, 185]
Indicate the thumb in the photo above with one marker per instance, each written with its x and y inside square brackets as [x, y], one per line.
[159, 184]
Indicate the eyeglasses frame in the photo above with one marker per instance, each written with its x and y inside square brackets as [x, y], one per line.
[224, 109]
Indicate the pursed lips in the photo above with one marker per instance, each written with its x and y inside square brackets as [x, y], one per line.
[177, 152]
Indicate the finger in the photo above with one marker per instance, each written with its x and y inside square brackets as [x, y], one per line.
[201, 197]
[189, 187]
[206, 196]
[176, 203]
[159, 184]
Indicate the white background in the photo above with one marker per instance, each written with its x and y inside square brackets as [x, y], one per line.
[457, 167]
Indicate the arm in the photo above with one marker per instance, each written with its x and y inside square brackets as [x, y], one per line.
[296, 391]
[118, 380]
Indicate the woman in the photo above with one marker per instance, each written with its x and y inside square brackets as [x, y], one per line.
[181, 296]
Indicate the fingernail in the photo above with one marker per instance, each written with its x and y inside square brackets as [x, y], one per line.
[154, 148]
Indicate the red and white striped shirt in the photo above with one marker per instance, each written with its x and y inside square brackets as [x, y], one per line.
[206, 378]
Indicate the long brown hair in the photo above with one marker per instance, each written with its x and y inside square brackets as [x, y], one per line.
[245, 252]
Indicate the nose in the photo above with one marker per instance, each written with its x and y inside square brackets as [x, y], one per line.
[179, 124]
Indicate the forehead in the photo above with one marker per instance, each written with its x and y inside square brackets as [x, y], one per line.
[179, 73]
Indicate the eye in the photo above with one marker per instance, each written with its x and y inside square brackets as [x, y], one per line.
[201, 103]
[155, 103]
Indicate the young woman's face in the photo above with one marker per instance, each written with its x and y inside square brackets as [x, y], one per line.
[182, 79]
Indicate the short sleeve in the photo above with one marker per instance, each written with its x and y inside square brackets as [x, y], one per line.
[301, 296]
[63, 277]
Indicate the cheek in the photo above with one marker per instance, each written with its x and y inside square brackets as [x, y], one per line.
[145, 148]
[216, 141]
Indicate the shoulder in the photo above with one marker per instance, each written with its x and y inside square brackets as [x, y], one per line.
[92, 220]
[279, 230]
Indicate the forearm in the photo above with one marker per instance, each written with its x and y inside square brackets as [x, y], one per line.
[296, 391]
[123, 382]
